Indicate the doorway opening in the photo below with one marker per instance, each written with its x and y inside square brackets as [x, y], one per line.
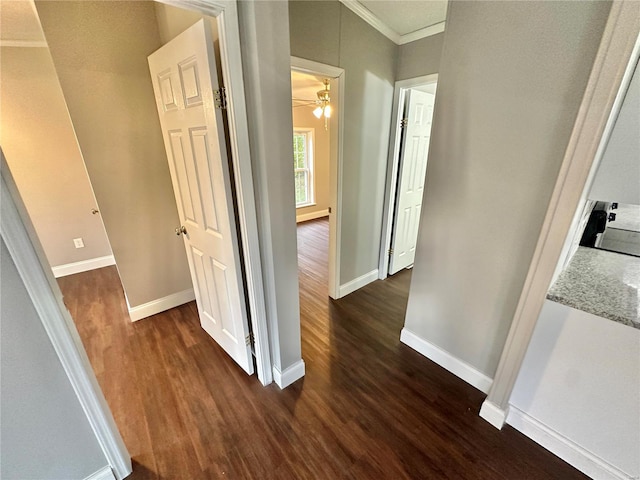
[151, 27]
[317, 109]
[413, 106]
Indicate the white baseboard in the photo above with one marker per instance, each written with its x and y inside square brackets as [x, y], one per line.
[312, 215]
[359, 282]
[160, 305]
[104, 473]
[443, 358]
[289, 375]
[566, 449]
[83, 266]
[493, 414]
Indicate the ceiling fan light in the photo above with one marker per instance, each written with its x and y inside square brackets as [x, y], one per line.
[318, 112]
[327, 111]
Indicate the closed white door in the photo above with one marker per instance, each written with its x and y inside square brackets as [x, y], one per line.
[411, 174]
[184, 81]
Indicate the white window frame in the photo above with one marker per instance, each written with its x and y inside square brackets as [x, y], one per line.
[309, 134]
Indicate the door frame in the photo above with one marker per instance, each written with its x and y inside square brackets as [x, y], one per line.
[226, 15]
[335, 166]
[25, 249]
[610, 76]
[23, 244]
[393, 162]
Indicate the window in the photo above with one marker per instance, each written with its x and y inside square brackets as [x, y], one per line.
[303, 166]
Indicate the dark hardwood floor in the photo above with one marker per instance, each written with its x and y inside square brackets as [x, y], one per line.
[368, 408]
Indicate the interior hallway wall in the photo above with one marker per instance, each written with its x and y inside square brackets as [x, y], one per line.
[511, 80]
[37, 137]
[369, 61]
[421, 57]
[266, 66]
[100, 51]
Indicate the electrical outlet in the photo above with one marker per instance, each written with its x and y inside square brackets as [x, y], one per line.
[78, 242]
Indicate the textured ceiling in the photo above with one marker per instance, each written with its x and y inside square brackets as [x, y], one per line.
[406, 16]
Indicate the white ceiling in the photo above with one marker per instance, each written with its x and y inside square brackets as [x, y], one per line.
[407, 16]
[18, 22]
[402, 21]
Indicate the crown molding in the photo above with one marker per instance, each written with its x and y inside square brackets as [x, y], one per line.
[422, 33]
[24, 43]
[365, 14]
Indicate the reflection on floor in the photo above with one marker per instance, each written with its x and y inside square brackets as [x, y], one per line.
[368, 407]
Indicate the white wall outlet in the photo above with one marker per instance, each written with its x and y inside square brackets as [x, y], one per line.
[78, 242]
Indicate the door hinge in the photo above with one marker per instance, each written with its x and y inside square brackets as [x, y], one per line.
[248, 340]
[391, 251]
[404, 122]
[220, 98]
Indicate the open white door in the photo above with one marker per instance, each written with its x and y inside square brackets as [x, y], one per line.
[411, 174]
[185, 84]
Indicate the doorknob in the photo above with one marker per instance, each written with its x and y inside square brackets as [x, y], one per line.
[181, 230]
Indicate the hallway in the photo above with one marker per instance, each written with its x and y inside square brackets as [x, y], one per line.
[368, 408]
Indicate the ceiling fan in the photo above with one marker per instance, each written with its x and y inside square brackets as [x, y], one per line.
[323, 102]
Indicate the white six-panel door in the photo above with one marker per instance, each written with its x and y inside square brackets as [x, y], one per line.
[411, 175]
[184, 80]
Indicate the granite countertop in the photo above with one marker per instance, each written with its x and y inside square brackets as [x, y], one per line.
[603, 283]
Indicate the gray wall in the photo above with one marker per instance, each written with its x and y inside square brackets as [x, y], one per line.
[421, 57]
[41, 148]
[511, 79]
[369, 61]
[267, 75]
[100, 53]
[44, 433]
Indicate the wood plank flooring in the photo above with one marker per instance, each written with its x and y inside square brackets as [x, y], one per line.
[368, 408]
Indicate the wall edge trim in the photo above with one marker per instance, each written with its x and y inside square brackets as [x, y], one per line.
[564, 448]
[82, 266]
[446, 360]
[289, 375]
[105, 473]
[304, 217]
[493, 414]
[161, 304]
[357, 283]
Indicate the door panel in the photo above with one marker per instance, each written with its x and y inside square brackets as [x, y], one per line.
[184, 79]
[411, 175]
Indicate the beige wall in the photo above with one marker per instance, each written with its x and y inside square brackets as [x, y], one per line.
[511, 80]
[173, 21]
[41, 149]
[369, 61]
[303, 118]
[421, 57]
[100, 52]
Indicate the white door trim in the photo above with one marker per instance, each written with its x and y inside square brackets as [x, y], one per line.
[27, 253]
[392, 165]
[335, 187]
[226, 14]
[611, 73]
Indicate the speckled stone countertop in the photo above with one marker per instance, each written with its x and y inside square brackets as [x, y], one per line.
[603, 283]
